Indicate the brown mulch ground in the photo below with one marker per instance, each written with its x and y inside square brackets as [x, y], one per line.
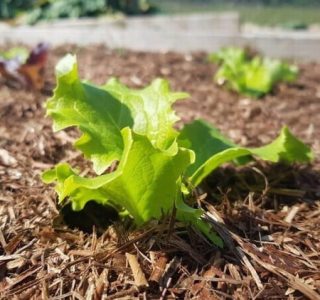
[272, 213]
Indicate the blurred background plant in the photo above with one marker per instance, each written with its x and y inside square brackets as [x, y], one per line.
[11, 8]
[253, 76]
[35, 10]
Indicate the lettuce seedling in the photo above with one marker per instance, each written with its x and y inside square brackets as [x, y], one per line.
[156, 163]
[251, 77]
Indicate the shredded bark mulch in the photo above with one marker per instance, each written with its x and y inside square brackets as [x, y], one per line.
[268, 215]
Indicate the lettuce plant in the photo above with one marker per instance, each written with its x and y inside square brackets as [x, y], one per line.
[251, 77]
[155, 162]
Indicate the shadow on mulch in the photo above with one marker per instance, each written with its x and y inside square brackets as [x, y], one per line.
[93, 215]
[271, 185]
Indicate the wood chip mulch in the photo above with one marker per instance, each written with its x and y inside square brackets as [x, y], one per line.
[268, 215]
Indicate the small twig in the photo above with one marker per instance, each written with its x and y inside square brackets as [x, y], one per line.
[158, 269]
[26, 246]
[291, 214]
[138, 275]
[165, 282]
[250, 268]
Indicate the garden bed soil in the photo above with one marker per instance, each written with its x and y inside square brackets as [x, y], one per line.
[269, 214]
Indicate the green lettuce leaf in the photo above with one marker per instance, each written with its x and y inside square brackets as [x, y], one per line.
[96, 112]
[102, 112]
[212, 149]
[145, 182]
[151, 109]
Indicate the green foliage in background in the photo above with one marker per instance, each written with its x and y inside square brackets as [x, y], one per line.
[54, 9]
[253, 77]
[11, 8]
[157, 165]
[296, 14]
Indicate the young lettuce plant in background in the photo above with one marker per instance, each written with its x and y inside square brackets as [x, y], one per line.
[155, 162]
[253, 77]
